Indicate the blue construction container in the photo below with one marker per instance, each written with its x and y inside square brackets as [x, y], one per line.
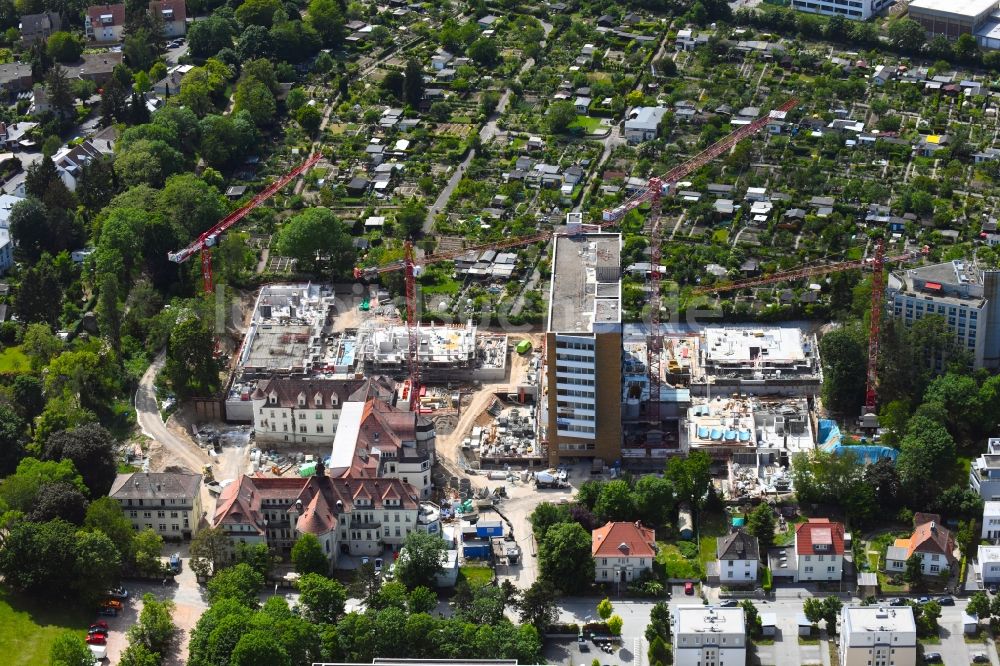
[489, 528]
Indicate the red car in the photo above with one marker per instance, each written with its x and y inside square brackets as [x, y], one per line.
[97, 631]
[689, 588]
[100, 624]
[97, 639]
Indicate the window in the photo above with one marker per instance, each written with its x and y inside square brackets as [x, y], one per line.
[163, 527]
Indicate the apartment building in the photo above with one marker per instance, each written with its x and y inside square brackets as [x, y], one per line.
[877, 636]
[819, 550]
[104, 23]
[290, 410]
[737, 558]
[856, 10]
[984, 473]
[348, 516]
[622, 551]
[991, 522]
[173, 14]
[167, 503]
[583, 346]
[966, 297]
[709, 636]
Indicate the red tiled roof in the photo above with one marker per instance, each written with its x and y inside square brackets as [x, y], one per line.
[819, 531]
[931, 537]
[117, 13]
[640, 541]
[178, 6]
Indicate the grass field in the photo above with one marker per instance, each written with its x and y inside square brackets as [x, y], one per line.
[13, 361]
[30, 627]
[476, 575]
[588, 123]
[713, 525]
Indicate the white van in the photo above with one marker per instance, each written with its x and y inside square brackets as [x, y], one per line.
[100, 652]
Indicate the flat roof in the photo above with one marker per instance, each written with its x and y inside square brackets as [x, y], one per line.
[878, 618]
[346, 439]
[585, 291]
[955, 7]
[703, 619]
[750, 344]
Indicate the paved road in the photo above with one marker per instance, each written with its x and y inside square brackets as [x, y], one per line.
[181, 452]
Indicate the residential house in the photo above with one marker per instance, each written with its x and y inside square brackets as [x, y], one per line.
[930, 144]
[991, 522]
[984, 474]
[173, 13]
[17, 135]
[573, 174]
[882, 75]
[582, 105]
[7, 202]
[15, 77]
[703, 635]
[622, 551]
[71, 160]
[307, 411]
[988, 565]
[440, 60]
[879, 634]
[738, 558]
[96, 67]
[930, 541]
[487, 22]
[168, 503]
[988, 155]
[819, 550]
[643, 123]
[445, 75]
[776, 121]
[104, 23]
[6, 251]
[39, 27]
[756, 194]
[724, 208]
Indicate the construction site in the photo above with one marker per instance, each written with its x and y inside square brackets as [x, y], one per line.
[444, 353]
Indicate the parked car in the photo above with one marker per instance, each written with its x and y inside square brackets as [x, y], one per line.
[897, 601]
[100, 624]
[992, 589]
[97, 631]
[932, 657]
[108, 611]
[113, 603]
[729, 603]
[584, 647]
[118, 593]
[97, 639]
[364, 561]
[378, 565]
[175, 563]
[689, 588]
[980, 658]
[946, 601]
[923, 600]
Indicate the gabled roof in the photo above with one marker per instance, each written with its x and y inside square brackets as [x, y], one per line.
[117, 13]
[324, 499]
[931, 537]
[623, 540]
[829, 536]
[737, 546]
[175, 9]
[240, 501]
[156, 485]
[287, 391]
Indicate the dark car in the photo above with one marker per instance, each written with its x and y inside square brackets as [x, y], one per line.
[689, 588]
[584, 647]
[992, 589]
[107, 611]
[729, 603]
[932, 658]
[97, 631]
[946, 601]
[897, 601]
[980, 658]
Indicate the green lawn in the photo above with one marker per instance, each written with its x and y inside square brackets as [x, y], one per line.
[476, 575]
[675, 564]
[588, 123]
[712, 525]
[30, 627]
[13, 361]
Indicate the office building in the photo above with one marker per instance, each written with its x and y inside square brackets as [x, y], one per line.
[966, 297]
[877, 636]
[856, 10]
[704, 635]
[583, 347]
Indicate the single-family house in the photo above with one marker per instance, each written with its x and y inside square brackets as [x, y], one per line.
[440, 60]
[724, 208]
[988, 155]
[104, 23]
[882, 75]
[819, 550]
[930, 541]
[643, 123]
[173, 15]
[931, 143]
[357, 186]
[984, 474]
[756, 194]
[737, 557]
[487, 22]
[17, 134]
[573, 174]
[96, 67]
[445, 75]
[582, 105]
[39, 27]
[776, 121]
[70, 161]
[622, 551]
[15, 77]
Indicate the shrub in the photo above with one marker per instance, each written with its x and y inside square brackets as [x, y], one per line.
[688, 549]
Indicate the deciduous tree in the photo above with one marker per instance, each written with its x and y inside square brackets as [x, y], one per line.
[322, 597]
[564, 557]
[422, 563]
[308, 556]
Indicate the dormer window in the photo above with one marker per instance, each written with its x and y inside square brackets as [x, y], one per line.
[272, 399]
[333, 399]
[302, 399]
[319, 400]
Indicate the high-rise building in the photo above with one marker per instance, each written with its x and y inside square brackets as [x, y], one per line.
[857, 10]
[583, 349]
[877, 636]
[966, 297]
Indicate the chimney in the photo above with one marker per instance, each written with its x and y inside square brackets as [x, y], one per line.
[933, 527]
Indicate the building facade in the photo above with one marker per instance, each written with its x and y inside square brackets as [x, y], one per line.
[738, 558]
[930, 541]
[709, 636]
[951, 18]
[877, 636]
[167, 503]
[622, 552]
[991, 521]
[984, 473]
[819, 550]
[104, 23]
[582, 401]
[965, 297]
[39, 27]
[643, 123]
[173, 13]
[988, 565]
[856, 10]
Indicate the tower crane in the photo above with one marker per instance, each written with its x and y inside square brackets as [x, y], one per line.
[653, 193]
[208, 238]
[877, 265]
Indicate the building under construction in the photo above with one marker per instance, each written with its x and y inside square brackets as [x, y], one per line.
[444, 353]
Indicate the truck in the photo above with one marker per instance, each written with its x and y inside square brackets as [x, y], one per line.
[175, 563]
[547, 480]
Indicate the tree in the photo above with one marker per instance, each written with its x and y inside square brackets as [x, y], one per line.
[411, 217]
[59, 92]
[537, 605]
[883, 479]
[484, 51]
[925, 453]
[927, 620]
[327, 20]
[209, 551]
[659, 652]
[914, 571]
[813, 609]
[421, 600]
[11, 437]
[653, 498]
[106, 516]
[751, 618]
[137, 654]
[148, 545]
[40, 345]
[316, 233]
[155, 628]
[322, 598]
[208, 37]
[240, 582]
[258, 12]
[422, 563]
[760, 524]
[140, 49]
[564, 557]
[191, 202]
[20, 490]
[255, 98]
[906, 35]
[259, 648]
[605, 609]
[366, 583]
[58, 500]
[309, 118]
[615, 503]
[64, 47]
[29, 227]
[191, 364]
[615, 623]
[91, 448]
[257, 555]
[979, 605]
[308, 556]
[690, 477]
[38, 296]
[560, 115]
[394, 83]
[69, 649]
[147, 162]
[830, 612]
[413, 88]
[845, 362]
[546, 515]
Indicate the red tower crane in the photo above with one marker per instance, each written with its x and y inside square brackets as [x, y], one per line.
[876, 263]
[207, 239]
[652, 193]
